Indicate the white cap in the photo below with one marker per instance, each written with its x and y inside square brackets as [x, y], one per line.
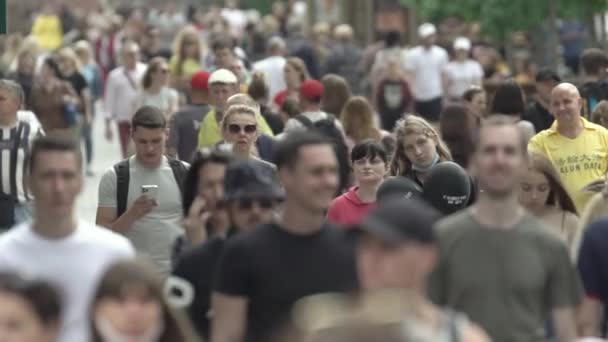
[426, 29]
[462, 43]
[223, 76]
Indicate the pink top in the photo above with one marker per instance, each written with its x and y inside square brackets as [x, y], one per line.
[348, 209]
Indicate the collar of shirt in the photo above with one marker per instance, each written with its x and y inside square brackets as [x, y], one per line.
[587, 126]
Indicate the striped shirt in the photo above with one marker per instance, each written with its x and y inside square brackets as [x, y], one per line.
[14, 167]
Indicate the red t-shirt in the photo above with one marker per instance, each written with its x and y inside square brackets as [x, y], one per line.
[348, 209]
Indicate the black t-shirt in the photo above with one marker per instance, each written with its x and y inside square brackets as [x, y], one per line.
[274, 268]
[79, 83]
[539, 116]
[198, 266]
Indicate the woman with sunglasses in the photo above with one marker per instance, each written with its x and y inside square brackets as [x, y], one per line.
[155, 89]
[240, 130]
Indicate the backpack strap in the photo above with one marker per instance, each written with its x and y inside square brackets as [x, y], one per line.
[122, 186]
[304, 120]
[179, 172]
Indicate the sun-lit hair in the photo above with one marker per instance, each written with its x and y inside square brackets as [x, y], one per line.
[558, 195]
[238, 109]
[358, 120]
[412, 124]
[186, 35]
[67, 53]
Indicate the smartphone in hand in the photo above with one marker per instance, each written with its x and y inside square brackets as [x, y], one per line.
[150, 190]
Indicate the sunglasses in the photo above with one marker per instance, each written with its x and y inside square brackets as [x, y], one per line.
[236, 129]
[263, 203]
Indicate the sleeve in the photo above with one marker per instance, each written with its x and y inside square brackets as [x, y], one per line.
[589, 262]
[409, 61]
[534, 145]
[333, 212]
[107, 190]
[234, 276]
[173, 133]
[563, 284]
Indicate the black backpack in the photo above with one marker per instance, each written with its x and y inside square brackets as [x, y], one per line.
[306, 122]
[122, 181]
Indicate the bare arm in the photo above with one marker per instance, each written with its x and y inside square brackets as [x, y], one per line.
[589, 317]
[106, 216]
[229, 318]
[473, 333]
[564, 320]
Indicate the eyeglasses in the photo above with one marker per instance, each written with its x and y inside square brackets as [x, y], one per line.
[263, 203]
[236, 129]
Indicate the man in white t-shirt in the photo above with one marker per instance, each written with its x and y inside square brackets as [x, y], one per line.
[122, 89]
[140, 197]
[461, 73]
[56, 246]
[424, 65]
[273, 66]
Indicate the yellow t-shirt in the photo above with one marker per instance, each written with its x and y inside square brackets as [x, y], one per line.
[578, 161]
[189, 66]
[48, 32]
[210, 134]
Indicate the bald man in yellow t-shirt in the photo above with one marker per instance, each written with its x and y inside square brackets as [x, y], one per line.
[577, 148]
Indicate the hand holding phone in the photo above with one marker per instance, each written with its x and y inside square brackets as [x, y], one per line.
[151, 191]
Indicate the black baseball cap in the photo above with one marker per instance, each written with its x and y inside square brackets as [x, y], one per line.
[397, 219]
[251, 179]
[398, 186]
[547, 75]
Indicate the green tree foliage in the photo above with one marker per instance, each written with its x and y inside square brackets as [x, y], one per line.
[500, 17]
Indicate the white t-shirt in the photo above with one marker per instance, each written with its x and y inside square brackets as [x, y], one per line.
[162, 100]
[461, 76]
[73, 264]
[427, 65]
[154, 234]
[272, 67]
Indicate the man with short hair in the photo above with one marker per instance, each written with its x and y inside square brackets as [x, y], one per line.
[272, 66]
[311, 92]
[264, 272]
[16, 135]
[499, 264]
[184, 125]
[576, 147]
[252, 195]
[223, 51]
[56, 246]
[595, 84]
[222, 85]
[140, 196]
[538, 112]
[424, 65]
[122, 88]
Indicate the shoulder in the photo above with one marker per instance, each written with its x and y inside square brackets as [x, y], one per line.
[201, 252]
[453, 223]
[106, 239]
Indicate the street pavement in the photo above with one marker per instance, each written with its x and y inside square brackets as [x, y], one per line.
[106, 153]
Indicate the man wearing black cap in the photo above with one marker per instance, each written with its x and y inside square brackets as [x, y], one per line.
[397, 250]
[538, 111]
[498, 263]
[264, 272]
[252, 196]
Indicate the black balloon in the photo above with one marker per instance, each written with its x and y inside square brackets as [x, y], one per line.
[447, 187]
[399, 187]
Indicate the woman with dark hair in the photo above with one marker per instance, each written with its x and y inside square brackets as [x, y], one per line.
[129, 305]
[53, 100]
[202, 200]
[30, 310]
[328, 128]
[370, 166]
[509, 99]
[544, 195]
[335, 95]
[258, 90]
[475, 99]
[155, 89]
[457, 128]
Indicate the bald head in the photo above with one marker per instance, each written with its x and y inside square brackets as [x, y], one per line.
[566, 104]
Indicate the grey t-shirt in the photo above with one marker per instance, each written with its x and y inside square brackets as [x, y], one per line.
[154, 234]
[506, 280]
[183, 130]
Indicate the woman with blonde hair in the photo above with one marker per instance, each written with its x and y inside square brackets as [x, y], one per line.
[357, 118]
[544, 195]
[418, 149]
[155, 90]
[295, 73]
[187, 57]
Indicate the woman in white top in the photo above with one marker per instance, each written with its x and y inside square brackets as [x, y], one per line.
[462, 72]
[155, 89]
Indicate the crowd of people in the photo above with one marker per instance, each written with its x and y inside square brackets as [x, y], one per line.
[272, 186]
